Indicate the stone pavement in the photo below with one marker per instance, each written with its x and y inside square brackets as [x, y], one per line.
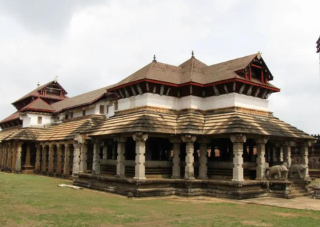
[302, 203]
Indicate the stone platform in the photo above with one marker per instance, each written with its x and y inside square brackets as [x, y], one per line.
[167, 187]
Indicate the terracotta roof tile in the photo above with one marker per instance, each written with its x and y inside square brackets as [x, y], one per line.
[79, 100]
[191, 70]
[13, 116]
[38, 105]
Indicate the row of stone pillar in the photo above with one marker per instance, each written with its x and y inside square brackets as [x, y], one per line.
[10, 156]
[48, 149]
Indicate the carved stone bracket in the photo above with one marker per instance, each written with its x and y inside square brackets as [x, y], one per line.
[238, 138]
[261, 140]
[140, 137]
[189, 138]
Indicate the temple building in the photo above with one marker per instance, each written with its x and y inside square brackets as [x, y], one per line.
[192, 129]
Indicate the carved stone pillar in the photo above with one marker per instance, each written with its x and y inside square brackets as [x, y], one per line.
[304, 156]
[44, 158]
[66, 167]
[28, 156]
[76, 158]
[9, 156]
[37, 167]
[13, 156]
[287, 153]
[18, 159]
[59, 154]
[189, 169]
[96, 157]
[83, 158]
[1, 154]
[176, 157]
[261, 160]
[105, 152]
[274, 154]
[51, 159]
[203, 160]
[140, 168]
[121, 158]
[238, 141]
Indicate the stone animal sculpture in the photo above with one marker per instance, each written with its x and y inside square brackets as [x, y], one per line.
[280, 170]
[299, 169]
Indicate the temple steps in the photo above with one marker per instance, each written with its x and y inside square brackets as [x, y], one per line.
[298, 190]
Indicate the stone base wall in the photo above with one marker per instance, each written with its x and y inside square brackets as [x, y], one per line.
[167, 187]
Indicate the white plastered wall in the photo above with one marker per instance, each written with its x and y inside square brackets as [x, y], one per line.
[31, 120]
[193, 102]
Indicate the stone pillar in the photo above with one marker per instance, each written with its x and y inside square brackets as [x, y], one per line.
[9, 164]
[59, 154]
[66, 167]
[28, 156]
[37, 167]
[83, 158]
[121, 158]
[1, 154]
[238, 140]
[140, 168]
[76, 158]
[274, 154]
[13, 157]
[189, 169]
[113, 152]
[96, 157]
[304, 156]
[51, 159]
[281, 153]
[44, 158]
[18, 159]
[176, 157]
[105, 152]
[261, 160]
[287, 153]
[203, 160]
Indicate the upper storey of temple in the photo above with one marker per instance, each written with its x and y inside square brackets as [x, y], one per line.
[50, 92]
[247, 75]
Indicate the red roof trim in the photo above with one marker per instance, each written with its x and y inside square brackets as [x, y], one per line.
[32, 109]
[197, 84]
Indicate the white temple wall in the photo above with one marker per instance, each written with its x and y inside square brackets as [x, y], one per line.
[193, 102]
[31, 120]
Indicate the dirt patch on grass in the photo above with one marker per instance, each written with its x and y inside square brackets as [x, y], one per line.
[286, 214]
[255, 223]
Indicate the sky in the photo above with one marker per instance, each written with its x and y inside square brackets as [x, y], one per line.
[92, 44]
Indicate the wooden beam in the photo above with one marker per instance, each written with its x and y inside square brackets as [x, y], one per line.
[139, 89]
[257, 92]
[249, 90]
[262, 79]
[256, 66]
[242, 88]
[161, 89]
[133, 90]
[168, 91]
[215, 89]
[225, 89]
[250, 73]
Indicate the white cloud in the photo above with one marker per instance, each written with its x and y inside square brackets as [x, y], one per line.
[91, 45]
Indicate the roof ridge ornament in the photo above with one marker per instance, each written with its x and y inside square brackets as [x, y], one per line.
[154, 58]
[259, 55]
[38, 84]
[192, 54]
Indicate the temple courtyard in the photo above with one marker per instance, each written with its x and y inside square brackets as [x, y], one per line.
[33, 200]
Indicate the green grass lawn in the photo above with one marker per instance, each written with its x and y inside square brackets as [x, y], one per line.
[28, 200]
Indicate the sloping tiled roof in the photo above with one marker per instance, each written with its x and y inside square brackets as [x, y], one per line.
[192, 70]
[35, 92]
[38, 105]
[25, 134]
[79, 100]
[7, 132]
[13, 116]
[229, 121]
[70, 128]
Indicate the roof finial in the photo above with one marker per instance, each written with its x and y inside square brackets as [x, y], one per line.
[192, 54]
[154, 58]
[55, 79]
[38, 84]
[259, 55]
